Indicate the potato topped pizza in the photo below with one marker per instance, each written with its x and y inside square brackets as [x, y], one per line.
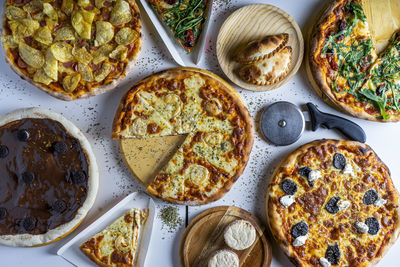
[72, 49]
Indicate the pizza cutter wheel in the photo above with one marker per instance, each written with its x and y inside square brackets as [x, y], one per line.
[282, 123]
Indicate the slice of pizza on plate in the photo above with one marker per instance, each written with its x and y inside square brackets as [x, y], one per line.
[117, 245]
[184, 18]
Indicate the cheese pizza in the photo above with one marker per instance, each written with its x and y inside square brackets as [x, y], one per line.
[202, 106]
[333, 202]
[346, 68]
[71, 49]
[118, 244]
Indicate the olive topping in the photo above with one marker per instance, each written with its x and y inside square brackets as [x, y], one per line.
[22, 135]
[28, 224]
[27, 177]
[370, 197]
[289, 187]
[339, 161]
[78, 177]
[332, 205]
[373, 225]
[3, 151]
[304, 171]
[332, 254]
[3, 213]
[59, 206]
[60, 147]
[299, 229]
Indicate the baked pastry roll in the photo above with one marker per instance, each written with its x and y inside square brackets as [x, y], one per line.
[262, 48]
[268, 71]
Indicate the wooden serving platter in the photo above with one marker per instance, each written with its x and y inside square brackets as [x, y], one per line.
[204, 235]
[254, 22]
[383, 18]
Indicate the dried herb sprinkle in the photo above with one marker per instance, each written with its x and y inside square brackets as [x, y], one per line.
[170, 217]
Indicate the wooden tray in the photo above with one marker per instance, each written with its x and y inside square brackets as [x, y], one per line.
[204, 235]
[250, 23]
[383, 20]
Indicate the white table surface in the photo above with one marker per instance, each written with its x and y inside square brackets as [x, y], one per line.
[94, 116]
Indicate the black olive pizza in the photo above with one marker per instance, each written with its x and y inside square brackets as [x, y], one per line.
[71, 49]
[346, 68]
[199, 104]
[48, 177]
[333, 202]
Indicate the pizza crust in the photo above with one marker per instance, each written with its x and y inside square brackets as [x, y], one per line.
[275, 222]
[96, 91]
[319, 76]
[29, 240]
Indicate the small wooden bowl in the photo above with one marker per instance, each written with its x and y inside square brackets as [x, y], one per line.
[205, 235]
[254, 22]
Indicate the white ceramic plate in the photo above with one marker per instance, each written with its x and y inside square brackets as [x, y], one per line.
[71, 252]
[175, 49]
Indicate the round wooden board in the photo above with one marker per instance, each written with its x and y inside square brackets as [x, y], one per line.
[383, 16]
[204, 235]
[254, 22]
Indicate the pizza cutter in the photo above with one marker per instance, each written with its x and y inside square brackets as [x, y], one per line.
[282, 123]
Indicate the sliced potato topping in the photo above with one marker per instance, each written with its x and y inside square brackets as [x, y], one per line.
[62, 51]
[119, 53]
[83, 3]
[70, 82]
[102, 53]
[51, 65]
[33, 6]
[67, 6]
[23, 27]
[31, 56]
[41, 77]
[43, 35]
[103, 72]
[104, 32]
[13, 13]
[121, 13]
[9, 41]
[50, 11]
[82, 55]
[82, 20]
[126, 36]
[86, 72]
[65, 34]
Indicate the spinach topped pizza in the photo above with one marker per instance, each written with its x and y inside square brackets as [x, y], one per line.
[71, 49]
[185, 18]
[346, 68]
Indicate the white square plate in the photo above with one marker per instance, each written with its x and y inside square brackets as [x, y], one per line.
[175, 49]
[71, 252]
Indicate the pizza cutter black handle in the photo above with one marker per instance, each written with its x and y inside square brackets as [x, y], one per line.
[350, 129]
